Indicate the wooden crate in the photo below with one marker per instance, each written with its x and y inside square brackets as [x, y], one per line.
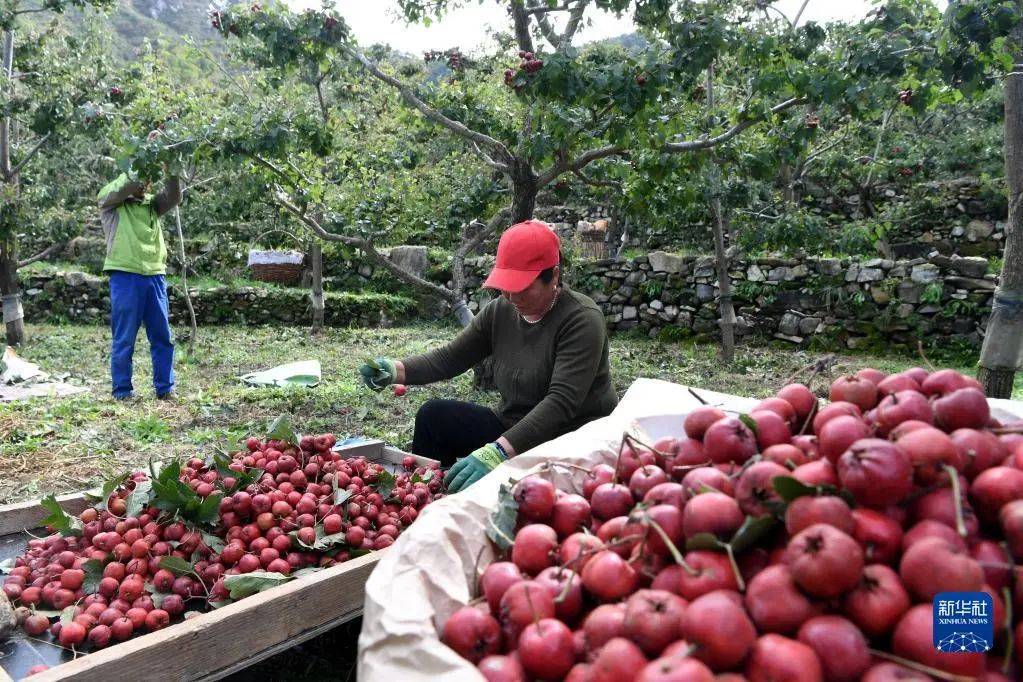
[226, 640]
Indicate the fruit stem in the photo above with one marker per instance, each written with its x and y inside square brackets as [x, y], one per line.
[809, 417]
[564, 590]
[566, 465]
[919, 667]
[476, 570]
[735, 567]
[923, 356]
[1007, 662]
[953, 477]
[675, 554]
[697, 396]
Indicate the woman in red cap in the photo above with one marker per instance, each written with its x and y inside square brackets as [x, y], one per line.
[550, 357]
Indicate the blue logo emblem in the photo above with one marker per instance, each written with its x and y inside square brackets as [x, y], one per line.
[963, 622]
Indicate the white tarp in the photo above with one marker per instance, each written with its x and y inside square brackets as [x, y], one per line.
[275, 258]
[302, 373]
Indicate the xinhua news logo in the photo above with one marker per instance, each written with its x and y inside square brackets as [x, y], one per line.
[963, 622]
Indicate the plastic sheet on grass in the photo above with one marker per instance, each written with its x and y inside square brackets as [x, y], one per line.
[303, 373]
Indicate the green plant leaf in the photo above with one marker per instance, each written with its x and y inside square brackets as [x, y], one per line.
[416, 478]
[752, 531]
[322, 541]
[385, 483]
[101, 494]
[209, 509]
[789, 488]
[93, 574]
[341, 496]
[246, 584]
[177, 565]
[219, 604]
[138, 498]
[58, 519]
[704, 541]
[501, 522]
[212, 541]
[750, 422]
[281, 429]
[156, 595]
[67, 616]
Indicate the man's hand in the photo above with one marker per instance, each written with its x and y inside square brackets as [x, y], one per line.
[377, 374]
[470, 469]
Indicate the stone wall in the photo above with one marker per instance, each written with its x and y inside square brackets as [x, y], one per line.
[825, 301]
[81, 297]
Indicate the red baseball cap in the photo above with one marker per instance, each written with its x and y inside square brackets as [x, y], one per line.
[525, 250]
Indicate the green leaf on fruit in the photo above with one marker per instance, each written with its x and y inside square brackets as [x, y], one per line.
[67, 616]
[416, 478]
[789, 488]
[502, 519]
[212, 541]
[58, 519]
[219, 604]
[177, 565]
[356, 553]
[750, 422]
[246, 584]
[221, 461]
[385, 483]
[93, 574]
[322, 541]
[281, 429]
[7, 565]
[752, 531]
[101, 494]
[138, 498]
[704, 541]
[209, 510]
[156, 595]
[49, 613]
[341, 496]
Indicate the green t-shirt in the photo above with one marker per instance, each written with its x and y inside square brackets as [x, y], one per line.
[132, 226]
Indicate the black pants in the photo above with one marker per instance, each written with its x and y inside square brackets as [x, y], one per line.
[448, 429]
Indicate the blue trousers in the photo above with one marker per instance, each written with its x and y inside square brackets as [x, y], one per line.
[136, 300]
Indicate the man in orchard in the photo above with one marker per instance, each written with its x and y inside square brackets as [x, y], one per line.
[137, 260]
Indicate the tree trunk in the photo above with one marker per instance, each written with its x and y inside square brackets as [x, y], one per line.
[316, 256]
[1003, 342]
[725, 307]
[12, 315]
[524, 191]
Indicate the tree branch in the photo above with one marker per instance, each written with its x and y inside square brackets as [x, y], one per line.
[574, 21]
[578, 163]
[543, 9]
[708, 142]
[547, 31]
[520, 20]
[596, 183]
[28, 157]
[45, 253]
[456, 127]
[366, 246]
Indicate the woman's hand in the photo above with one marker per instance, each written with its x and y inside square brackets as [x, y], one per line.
[377, 374]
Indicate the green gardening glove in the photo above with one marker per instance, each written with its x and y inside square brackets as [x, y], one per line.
[378, 373]
[478, 464]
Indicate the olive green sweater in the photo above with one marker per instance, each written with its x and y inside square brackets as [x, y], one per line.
[553, 376]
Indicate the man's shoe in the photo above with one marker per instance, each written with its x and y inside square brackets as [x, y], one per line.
[170, 396]
[126, 396]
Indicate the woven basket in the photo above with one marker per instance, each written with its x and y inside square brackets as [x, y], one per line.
[278, 273]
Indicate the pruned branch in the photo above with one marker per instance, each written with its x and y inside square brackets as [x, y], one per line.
[28, 157]
[45, 253]
[409, 96]
[709, 142]
[367, 247]
[578, 163]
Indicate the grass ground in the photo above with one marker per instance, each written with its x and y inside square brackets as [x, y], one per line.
[68, 445]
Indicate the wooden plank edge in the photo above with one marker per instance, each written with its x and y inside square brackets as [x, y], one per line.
[20, 516]
[158, 653]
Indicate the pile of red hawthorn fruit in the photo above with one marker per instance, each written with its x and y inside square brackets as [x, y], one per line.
[899, 489]
[271, 525]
